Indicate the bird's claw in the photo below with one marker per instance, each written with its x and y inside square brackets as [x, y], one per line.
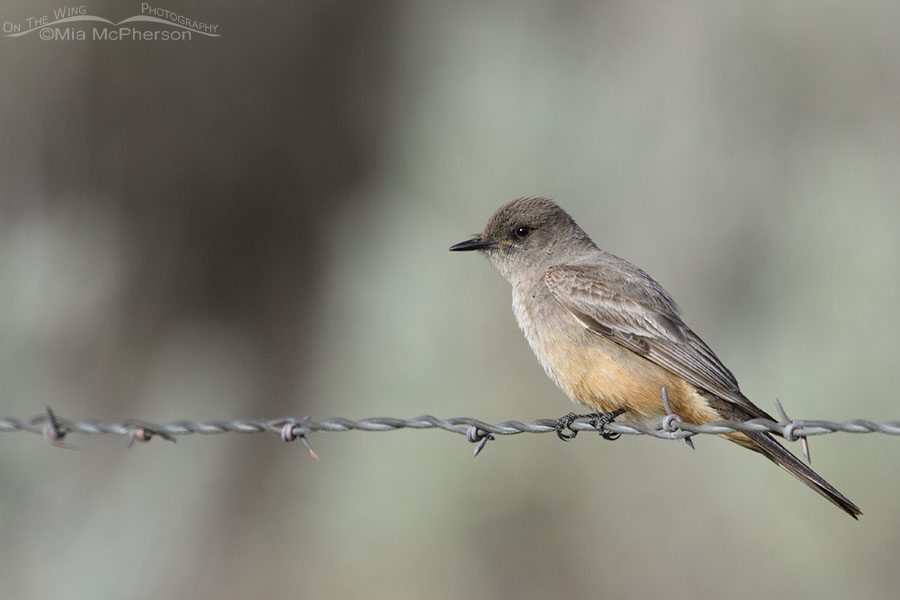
[598, 421]
[564, 427]
[564, 424]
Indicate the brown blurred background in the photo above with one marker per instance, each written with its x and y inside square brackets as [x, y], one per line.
[256, 225]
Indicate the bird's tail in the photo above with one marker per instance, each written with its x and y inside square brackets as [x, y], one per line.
[771, 449]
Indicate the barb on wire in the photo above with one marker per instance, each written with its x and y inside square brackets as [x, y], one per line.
[672, 421]
[55, 428]
[53, 433]
[293, 430]
[480, 437]
[789, 431]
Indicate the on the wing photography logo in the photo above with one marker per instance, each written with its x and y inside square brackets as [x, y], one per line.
[76, 24]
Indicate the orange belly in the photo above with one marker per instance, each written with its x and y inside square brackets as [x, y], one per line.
[606, 376]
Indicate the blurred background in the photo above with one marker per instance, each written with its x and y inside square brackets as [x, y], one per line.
[257, 224]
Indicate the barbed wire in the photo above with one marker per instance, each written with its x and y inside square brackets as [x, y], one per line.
[55, 428]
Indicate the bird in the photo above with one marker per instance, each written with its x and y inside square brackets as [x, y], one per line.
[612, 338]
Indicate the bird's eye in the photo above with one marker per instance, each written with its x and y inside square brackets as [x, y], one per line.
[522, 232]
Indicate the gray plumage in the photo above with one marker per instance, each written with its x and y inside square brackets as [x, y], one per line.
[584, 309]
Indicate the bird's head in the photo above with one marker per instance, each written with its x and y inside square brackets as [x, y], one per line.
[526, 237]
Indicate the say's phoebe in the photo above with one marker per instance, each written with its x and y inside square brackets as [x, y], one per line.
[611, 337]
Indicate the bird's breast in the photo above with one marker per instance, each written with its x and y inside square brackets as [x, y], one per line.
[557, 339]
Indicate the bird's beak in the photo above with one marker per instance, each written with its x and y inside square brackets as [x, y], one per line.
[476, 243]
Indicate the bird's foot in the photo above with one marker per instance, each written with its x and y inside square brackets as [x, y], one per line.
[598, 421]
[564, 424]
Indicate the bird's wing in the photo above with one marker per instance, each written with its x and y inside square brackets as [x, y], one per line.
[650, 327]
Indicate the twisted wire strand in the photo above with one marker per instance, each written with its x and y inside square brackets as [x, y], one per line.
[55, 428]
